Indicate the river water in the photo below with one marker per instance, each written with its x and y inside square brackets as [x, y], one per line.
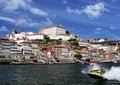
[64, 74]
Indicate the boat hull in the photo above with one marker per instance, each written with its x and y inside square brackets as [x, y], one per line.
[95, 76]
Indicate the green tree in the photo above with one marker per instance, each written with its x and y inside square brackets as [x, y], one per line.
[78, 56]
[46, 38]
[67, 32]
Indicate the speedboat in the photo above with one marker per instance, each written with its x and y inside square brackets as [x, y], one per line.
[97, 74]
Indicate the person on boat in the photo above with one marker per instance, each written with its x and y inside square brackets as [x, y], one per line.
[102, 70]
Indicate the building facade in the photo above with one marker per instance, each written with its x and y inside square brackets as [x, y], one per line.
[34, 36]
[53, 30]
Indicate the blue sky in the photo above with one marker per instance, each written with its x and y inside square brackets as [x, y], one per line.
[85, 18]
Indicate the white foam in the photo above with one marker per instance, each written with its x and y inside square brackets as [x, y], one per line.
[113, 73]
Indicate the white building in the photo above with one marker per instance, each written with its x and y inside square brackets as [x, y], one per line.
[101, 40]
[34, 36]
[17, 36]
[27, 48]
[63, 37]
[15, 49]
[26, 35]
[20, 35]
[53, 30]
[56, 32]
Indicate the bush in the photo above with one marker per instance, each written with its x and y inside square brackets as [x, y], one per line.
[79, 56]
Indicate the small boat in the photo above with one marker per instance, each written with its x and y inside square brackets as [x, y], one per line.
[97, 74]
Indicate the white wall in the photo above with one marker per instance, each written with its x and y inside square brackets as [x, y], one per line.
[63, 37]
[33, 37]
[53, 30]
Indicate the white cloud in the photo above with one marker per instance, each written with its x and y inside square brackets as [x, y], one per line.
[29, 23]
[113, 27]
[93, 11]
[13, 5]
[47, 22]
[3, 29]
[98, 30]
[76, 11]
[26, 22]
[20, 22]
[64, 1]
[37, 11]
[54, 15]
[7, 19]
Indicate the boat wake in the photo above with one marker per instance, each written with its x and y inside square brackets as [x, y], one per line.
[110, 74]
[113, 73]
